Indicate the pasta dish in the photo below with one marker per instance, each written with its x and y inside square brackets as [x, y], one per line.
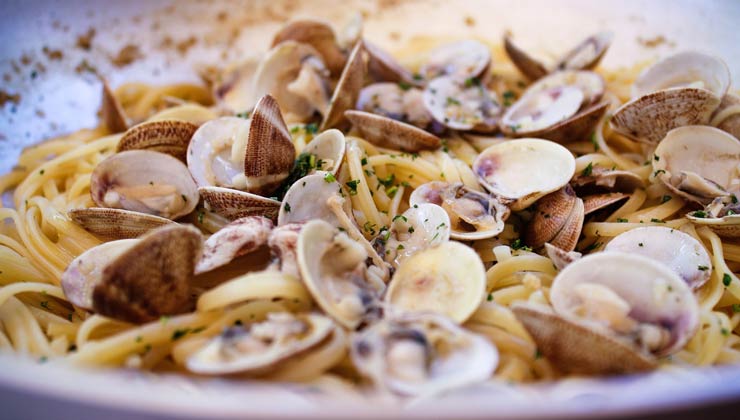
[336, 215]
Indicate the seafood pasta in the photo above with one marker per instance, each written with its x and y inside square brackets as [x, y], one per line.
[335, 214]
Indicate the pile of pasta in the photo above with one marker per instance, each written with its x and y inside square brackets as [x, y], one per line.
[38, 241]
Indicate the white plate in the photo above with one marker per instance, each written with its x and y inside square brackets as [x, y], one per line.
[59, 100]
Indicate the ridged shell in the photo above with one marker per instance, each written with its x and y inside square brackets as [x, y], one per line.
[551, 213]
[112, 112]
[170, 137]
[116, 223]
[392, 134]
[530, 67]
[460, 105]
[347, 90]
[461, 60]
[730, 122]
[587, 54]
[596, 202]
[650, 117]
[567, 238]
[329, 147]
[239, 237]
[396, 102]
[576, 128]
[317, 34]
[683, 70]
[235, 204]
[726, 227]
[382, 67]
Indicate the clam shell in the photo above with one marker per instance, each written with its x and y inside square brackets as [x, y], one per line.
[347, 90]
[382, 67]
[531, 68]
[170, 137]
[559, 257]
[389, 133]
[307, 200]
[587, 54]
[144, 181]
[239, 237]
[650, 117]
[448, 279]
[684, 69]
[591, 84]
[317, 34]
[524, 170]
[396, 102]
[234, 90]
[329, 147]
[575, 348]
[551, 213]
[112, 111]
[730, 124]
[575, 128]
[420, 227]
[596, 202]
[603, 179]
[461, 105]
[116, 223]
[673, 248]
[567, 238]
[726, 227]
[235, 204]
[460, 60]
[270, 153]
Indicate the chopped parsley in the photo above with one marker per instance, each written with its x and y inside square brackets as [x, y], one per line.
[735, 307]
[656, 158]
[392, 191]
[641, 244]
[517, 245]
[404, 85]
[700, 214]
[490, 297]
[725, 332]
[180, 333]
[364, 161]
[452, 101]
[588, 170]
[472, 81]
[201, 213]
[244, 115]
[353, 186]
[400, 247]
[303, 165]
[509, 97]
[594, 142]
[702, 268]
[185, 199]
[733, 197]
[658, 172]
[621, 220]
[387, 181]
[592, 247]
[537, 354]
[666, 198]
[312, 128]
[329, 177]
[41, 172]
[726, 279]
[287, 207]
[411, 229]
[654, 220]
[45, 304]
[369, 227]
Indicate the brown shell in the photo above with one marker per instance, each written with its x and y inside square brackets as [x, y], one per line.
[575, 348]
[650, 117]
[170, 137]
[386, 132]
[347, 90]
[317, 34]
[603, 179]
[532, 69]
[116, 223]
[595, 202]
[575, 128]
[234, 204]
[152, 278]
[551, 214]
[600, 43]
[270, 152]
[567, 238]
[730, 124]
[382, 67]
[112, 111]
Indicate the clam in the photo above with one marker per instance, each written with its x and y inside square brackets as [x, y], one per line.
[595, 202]
[347, 90]
[318, 35]
[261, 347]
[727, 116]
[562, 107]
[699, 163]
[239, 237]
[295, 75]
[112, 111]
[558, 219]
[448, 279]
[462, 105]
[329, 148]
[136, 280]
[686, 69]
[116, 223]
[394, 101]
[234, 204]
[524, 170]
[389, 133]
[422, 354]
[683, 89]
[283, 243]
[382, 67]
[473, 215]
[234, 88]
[673, 248]
[333, 268]
[146, 182]
[612, 313]
[171, 137]
[722, 215]
[598, 178]
[307, 199]
[460, 60]
[584, 56]
[422, 226]
[560, 257]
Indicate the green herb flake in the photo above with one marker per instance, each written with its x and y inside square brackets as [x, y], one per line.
[537, 354]
[353, 186]
[588, 170]
[287, 207]
[392, 191]
[404, 85]
[185, 199]
[201, 214]
[472, 81]
[509, 97]
[666, 198]
[364, 161]
[139, 339]
[244, 115]
[726, 279]
[654, 220]
[700, 214]
[658, 172]
[45, 304]
[490, 297]
[411, 229]
[594, 142]
[725, 332]
[733, 197]
[735, 307]
[41, 172]
[702, 268]
[621, 220]
[452, 101]
[329, 177]
[656, 158]
[180, 333]
[387, 181]
[312, 128]
[518, 245]
[641, 244]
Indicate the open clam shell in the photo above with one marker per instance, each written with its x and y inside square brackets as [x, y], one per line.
[234, 87]
[473, 215]
[333, 268]
[116, 223]
[394, 101]
[382, 67]
[317, 34]
[112, 111]
[530, 67]
[347, 90]
[404, 355]
[727, 116]
[448, 279]
[239, 237]
[137, 280]
[461, 60]
[261, 347]
[144, 181]
[170, 137]
[462, 105]
[685, 69]
[587, 54]
[600, 179]
[422, 226]
[673, 248]
[595, 202]
[650, 117]
[329, 148]
[386, 132]
[234, 204]
[308, 198]
[698, 162]
[524, 170]
[558, 219]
